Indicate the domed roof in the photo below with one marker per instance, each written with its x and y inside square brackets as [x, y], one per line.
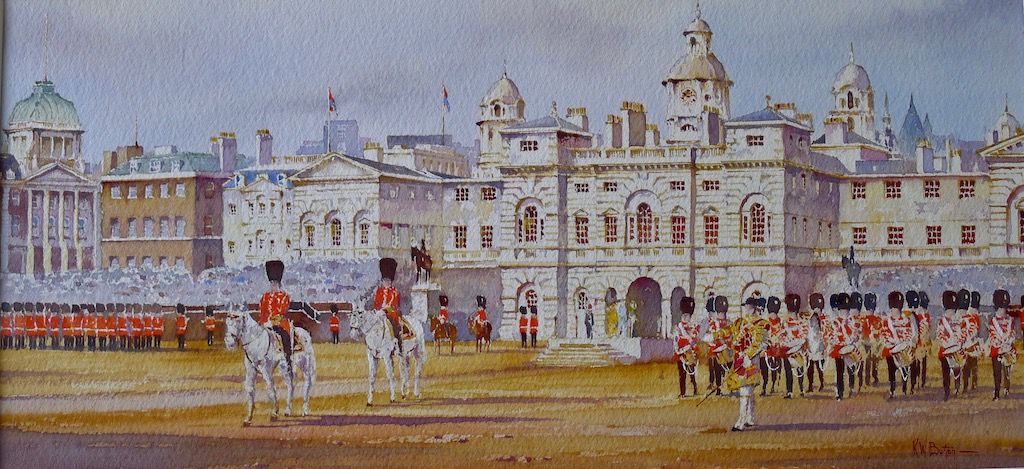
[504, 90]
[1007, 120]
[698, 25]
[45, 108]
[852, 75]
[698, 67]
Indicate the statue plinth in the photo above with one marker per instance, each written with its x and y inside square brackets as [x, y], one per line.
[423, 297]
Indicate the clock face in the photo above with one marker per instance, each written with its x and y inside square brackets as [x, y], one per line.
[689, 97]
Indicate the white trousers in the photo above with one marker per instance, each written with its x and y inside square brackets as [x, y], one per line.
[746, 416]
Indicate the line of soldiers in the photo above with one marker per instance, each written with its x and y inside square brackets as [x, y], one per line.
[95, 327]
[854, 337]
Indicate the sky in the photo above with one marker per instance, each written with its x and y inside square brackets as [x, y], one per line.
[189, 69]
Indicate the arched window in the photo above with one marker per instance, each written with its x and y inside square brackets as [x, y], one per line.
[335, 232]
[1020, 221]
[758, 222]
[497, 110]
[531, 298]
[849, 99]
[310, 233]
[582, 301]
[644, 224]
[849, 124]
[530, 227]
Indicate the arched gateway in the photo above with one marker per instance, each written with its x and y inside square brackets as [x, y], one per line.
[644, 299]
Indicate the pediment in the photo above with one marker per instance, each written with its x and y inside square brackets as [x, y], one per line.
[335, 167]
[1011, 147]
[56, 173]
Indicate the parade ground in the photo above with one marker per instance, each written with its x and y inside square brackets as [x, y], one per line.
[492, 409]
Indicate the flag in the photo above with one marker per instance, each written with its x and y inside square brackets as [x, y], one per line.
[444, 94]
[330, 100]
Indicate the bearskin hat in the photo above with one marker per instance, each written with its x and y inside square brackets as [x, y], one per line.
[896, 300]
[209, 310]
[533, 309]
[833, 301]
[101, 308]
[870, 301]
[388, 267]
[481, 301]
[816, 300]
[975, 299]
[687, 305]
[443, 300]
[65, 308]
[522, 310]
[774, 304]
[710, 305]
[844, 301]
[275, 270]
[913, 301]
[793, 303]
[922, 298]
[74, 308]
[1001, 298]
[949, 299]
[721, 304]
[179, 308]
[5, 307]
[856, 301]
[751, 301]
[963, 299]
[334, 308]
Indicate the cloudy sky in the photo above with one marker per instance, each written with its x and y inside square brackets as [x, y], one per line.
[188, 69]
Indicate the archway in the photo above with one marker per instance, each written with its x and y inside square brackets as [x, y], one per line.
[643, 299]
[677, 295]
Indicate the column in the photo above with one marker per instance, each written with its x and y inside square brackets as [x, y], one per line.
[96, 226]
[5, 229]
[61, 245]
[29, 242]
[666, 316]
[45, 241]
[76, 242]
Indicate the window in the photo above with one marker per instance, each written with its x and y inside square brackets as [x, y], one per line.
[288, 207]
[931, 188]
[263, 208]
[233, 209]
[486, 237]
[115, 228]
[179, 189]
[16, 225]
[336, 232]
[529, 225]
[859, 190]
[611, 228]
[148, 192]
[803, 181]
[207, 225]
[677, 185]
[209, 190]
[968, 234]
[176, 165]
[130, 261]
[611, 186]
[1020, 224]
[132, 228]
[459, 232]
[582, 230]
[893, 189]
[934, 234]
[310, 235]
[16, 195]
[179, 263]
[757, 223]
[115, 192]
[860, 235]
[364, 233]
[179, 227]
[895, 237]
[165, 227]
[461, 194]
[488, 193]
[711, 230]
[165, 190]
[582, 187]
[531, 298]
[528, 145]
[154, 166]
[644, 224]
[966, 188]
[133, 192]
[133, 166]
[231, 247]
[147, 227]
[260, 239]
[114, 263]
[163, 262]
[252, 208]
[755, 140]
[712, 185]
[147, 262]
[678, 229]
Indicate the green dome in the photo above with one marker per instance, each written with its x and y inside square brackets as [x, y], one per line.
[45, 108]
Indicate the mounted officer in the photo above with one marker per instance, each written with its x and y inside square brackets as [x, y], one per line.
[273, 306]
[387, 299]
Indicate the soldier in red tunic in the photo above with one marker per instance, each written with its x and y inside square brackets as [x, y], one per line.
[54, 321]
[948, 334]
[524, 325]
[718, 345]
[180, 325]
[8, 325]
[1000, 341]
[335, 324]
[898, 340]
[534, 326]
[273, 306]
[158, 327]
[386, 298]
[794, 336]
[971, 330]
[442, 314]
[871, 335]
[688, 334]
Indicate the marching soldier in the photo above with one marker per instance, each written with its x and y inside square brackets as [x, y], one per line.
[30, 325]
[180, 325]
[147, 325]
[136, 326]
[970, 328]
[211, 325]
[871, 332]
[775, 353]
[101, 326]
[387, 300]
[924, 338]
[948, 333]
[898, 338]
[856, 322]
[89, 326]
[273, 306]
[8, 325]
[688, 335]
[19, 326]
[335, 324]
[77, 320]
[67, 326]
[1000, 341]
[40, 326]
[122, 326]
[718, 340]
[816, 341]
[840, 338]
[748, 340]
[53, 325]
[158, 328]
[794, 338]
[524, 326]
[534, 326]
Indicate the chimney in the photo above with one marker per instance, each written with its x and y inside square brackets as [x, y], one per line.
[229, 150]
[653, 136]
[806, 118]
[925, 157]
[373, 151]
[836, 131]
[786, 109]
[955, 164]
[634, 124]
[215, 146]
[110, 160]
[578, 116]
[613, 131]
[266, 146]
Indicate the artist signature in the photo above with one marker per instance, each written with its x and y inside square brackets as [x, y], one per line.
[930, 448]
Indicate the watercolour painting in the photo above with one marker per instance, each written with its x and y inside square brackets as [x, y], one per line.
[267, 233]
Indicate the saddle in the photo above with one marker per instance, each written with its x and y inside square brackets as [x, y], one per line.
[407, 332]
[296, 345]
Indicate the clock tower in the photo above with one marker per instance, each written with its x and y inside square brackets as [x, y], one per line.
[697, 89]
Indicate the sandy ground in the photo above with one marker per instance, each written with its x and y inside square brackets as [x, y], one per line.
[173, 409]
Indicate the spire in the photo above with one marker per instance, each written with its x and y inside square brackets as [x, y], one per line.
[1006, 103]
[504, 68]
[912, 100]
[136, 130]
[851, 52]
[886, 105]
[46, 47]
[697, 12]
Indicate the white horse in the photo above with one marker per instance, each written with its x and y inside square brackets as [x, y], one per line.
[381, 344]
[263, 355]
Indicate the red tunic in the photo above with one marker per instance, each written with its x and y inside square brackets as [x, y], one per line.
[158, 326]
[54, 324]
[40, 325]
[179, 324]
[894, 332]
[947, 334]
[686, 338]
[1000, 335]
[335, 324]
[534, 324]
[524, 323]
[8, 325]
[775, 338]
[136, 326]
[77, 322]
[722, 341]
[273, 306]
[122, 326]
[19, 324]
[147, 326]
[211, 324]
[388, 300]
[68, 325]
[481, 315]
[443, 313]
[30, 325]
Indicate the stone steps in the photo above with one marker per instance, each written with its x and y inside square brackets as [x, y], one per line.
[583, 355]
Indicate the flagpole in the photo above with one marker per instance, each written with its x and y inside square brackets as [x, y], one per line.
[327, 125]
